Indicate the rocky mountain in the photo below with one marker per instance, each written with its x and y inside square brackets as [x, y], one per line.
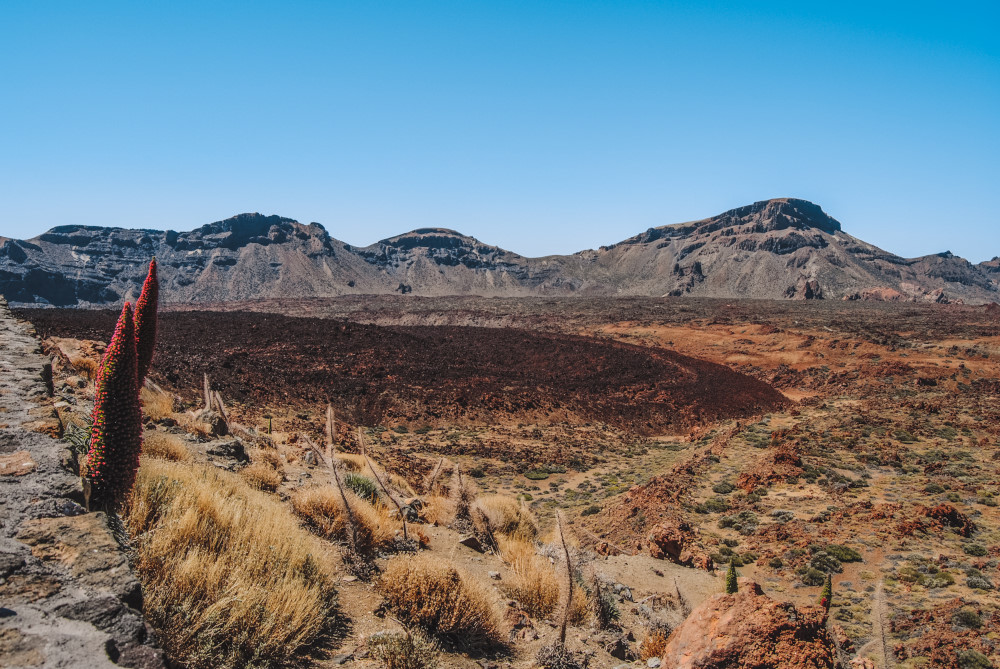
[773, 249]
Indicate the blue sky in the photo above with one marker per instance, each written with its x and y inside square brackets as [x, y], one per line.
[542, 127]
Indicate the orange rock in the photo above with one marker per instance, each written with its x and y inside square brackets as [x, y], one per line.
[749, 630]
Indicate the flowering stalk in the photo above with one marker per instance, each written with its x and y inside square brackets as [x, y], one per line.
[145, 322]
[116, 436]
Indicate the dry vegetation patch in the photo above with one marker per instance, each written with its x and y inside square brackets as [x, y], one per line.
[433, 594]
[229, 579]
[322, 507]
[166, 446]
[533, 582]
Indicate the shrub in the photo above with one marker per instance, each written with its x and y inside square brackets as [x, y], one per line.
[978, 583]
[825, 562]
[533, 584]
[229, 580]
[322, 508]
[165, 446]
[654, 644]
[116, 433]
[557, 656]
[362, 486]
[536, 474]
[145, 323]
[933, 489]
[975, 550]
[402, 650]
[156, 405]
[591, 510]
[775, 563]
[966, 617]
[745, 522]
[843, 553]
[506, 516]
[732, 586]
[973, 659]
[432, 594]
[813, 576]
[723, 488]
[262, 476]
[713, 505]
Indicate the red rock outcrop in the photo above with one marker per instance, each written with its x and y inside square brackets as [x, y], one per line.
[749, 630]
[777, 465]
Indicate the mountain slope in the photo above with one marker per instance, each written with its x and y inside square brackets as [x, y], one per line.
[773, 249]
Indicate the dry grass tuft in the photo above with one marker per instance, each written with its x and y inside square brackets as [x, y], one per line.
[229, 580]
[86, 366]
[505, 516]
[156, 405]
[654, 644]
[402, 650]
[438, 509]
[432, 594]
[534, 583]
[352, 462]
[163, 445]
[262, 476]
[322, 508]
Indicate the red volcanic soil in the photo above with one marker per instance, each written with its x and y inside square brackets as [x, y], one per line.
[432, 373]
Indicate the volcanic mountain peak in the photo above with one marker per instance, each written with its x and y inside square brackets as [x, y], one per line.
[769, 216]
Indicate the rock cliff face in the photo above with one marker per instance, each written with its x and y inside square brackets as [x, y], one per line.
[774, 249]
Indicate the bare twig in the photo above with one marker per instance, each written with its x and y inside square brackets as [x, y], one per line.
[222, 408]
[331, 431]
[569, 582]
[207, 390]
[385, 488]
[433, 476]
[347, 508]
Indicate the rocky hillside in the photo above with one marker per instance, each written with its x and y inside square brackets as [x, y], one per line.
[774, 249]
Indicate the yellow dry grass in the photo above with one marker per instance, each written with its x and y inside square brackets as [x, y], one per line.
[229, 579]
[156, 405]
[653, 645]
[87, 366]
[262, 476]
[322, 508]
[438, 509]
[163, 445]
[352, 462]
[533, 583]
[431, 593]
[506, 516]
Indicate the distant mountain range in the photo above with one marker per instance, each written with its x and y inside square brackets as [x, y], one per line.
[774, 249]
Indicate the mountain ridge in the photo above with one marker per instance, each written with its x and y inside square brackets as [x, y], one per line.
[782, 248]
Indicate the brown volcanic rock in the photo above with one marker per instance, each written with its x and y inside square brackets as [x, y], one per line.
[749, 630]
[777, 465]
[435, 373]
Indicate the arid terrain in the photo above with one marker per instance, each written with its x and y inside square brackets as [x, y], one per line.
[673, 436]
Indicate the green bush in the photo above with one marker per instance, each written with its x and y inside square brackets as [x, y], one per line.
[591, 510]
[813, 577]
[723, 488]
[775, 563]
[967, 618]
[973, 659]
[362, 486]
[536, 474]
[843, 553]
[975, 550]
[933, 489]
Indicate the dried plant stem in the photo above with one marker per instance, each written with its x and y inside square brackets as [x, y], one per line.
[331, 431]
[433, 476]
[207, 390]
[385, 488]
[569, 582]
[222, 408]
[347, 508]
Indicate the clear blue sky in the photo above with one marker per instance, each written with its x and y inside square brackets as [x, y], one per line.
[542, 127]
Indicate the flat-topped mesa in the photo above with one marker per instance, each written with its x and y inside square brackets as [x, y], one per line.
[243, 229]
[770, 216]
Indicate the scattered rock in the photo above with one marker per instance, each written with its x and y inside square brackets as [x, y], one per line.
[16, 464]
[471, 542]
[495, 575]
[750, 630]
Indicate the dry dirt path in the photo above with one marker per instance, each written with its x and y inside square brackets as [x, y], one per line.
[65, 585]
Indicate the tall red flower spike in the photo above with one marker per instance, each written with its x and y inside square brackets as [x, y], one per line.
[145, 322]
[116, 437]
